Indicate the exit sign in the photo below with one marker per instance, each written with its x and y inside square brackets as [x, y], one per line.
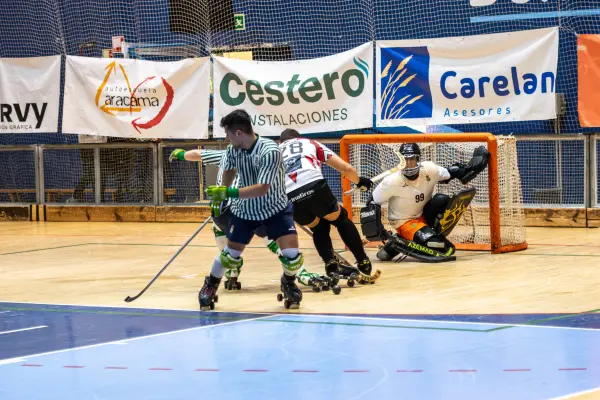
[239, 22]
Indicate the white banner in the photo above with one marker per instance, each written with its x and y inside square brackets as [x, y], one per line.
[463, 80]
[134, 98]
[318, 95]
[29, 94]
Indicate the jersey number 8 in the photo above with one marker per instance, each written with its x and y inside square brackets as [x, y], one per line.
[296, 148]
[419, 197]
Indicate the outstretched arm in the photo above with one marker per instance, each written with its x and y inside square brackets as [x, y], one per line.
[348, 171]
[466, 173]
[211, 157]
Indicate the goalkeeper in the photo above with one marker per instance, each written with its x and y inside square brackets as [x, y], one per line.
[421, 219]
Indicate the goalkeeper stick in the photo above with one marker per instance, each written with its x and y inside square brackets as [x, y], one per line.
[401, 165]
[129, 299]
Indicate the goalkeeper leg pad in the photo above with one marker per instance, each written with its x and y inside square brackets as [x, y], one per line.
[446, 221]
[415, 250]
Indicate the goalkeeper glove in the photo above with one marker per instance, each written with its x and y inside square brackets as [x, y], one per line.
[177, 154]
[220, 193]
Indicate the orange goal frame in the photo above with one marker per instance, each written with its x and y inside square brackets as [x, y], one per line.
[492, 145]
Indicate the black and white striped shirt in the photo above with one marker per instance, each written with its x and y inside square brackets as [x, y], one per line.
[262, 163]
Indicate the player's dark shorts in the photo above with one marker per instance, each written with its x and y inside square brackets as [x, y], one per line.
[312, 201]
[222, 222]
[242, 230]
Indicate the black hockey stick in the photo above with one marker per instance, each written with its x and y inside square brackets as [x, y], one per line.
[129, 299]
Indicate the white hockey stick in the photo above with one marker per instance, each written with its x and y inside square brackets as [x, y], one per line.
[401, 165]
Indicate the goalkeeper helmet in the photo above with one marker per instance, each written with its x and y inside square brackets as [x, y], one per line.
[411, 151]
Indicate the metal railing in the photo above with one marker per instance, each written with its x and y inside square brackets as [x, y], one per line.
[556, 172]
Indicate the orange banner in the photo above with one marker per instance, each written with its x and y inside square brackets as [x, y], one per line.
[588, 65]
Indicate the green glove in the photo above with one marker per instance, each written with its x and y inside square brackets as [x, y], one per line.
[221, 193]
[177, 154]
[216, 208]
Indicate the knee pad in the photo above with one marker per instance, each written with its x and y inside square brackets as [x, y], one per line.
[434, 209]
[220, 238]
[292, 261]
[228, 261]
[221, 242]
[341, 219]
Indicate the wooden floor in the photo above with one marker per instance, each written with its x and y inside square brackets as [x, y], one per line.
[102, 263]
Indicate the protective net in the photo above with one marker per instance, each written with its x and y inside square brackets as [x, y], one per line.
[474, 227]
[17, 176]
[125, 175]
[185, 182]
[166, 30]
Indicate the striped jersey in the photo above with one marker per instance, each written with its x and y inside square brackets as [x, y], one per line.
[260, 164]
[303, 159]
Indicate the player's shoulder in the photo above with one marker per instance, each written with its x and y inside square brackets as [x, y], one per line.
[429, 166]
[393, 179]
[267, 143]
[267, 146]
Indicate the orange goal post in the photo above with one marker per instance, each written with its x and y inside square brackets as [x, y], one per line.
[495, 219]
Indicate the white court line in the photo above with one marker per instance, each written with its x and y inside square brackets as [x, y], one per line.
[573, 395]
[435, 321]
[11, 361]
[125, 341]
[24, 329]
[327, 316]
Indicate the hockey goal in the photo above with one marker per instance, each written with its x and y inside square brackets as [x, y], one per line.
[495, 219]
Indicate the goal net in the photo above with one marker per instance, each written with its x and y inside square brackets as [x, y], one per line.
[495, 219]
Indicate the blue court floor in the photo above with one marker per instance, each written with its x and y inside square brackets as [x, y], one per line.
[72, 352]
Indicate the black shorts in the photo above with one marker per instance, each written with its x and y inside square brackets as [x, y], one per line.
[312, 201]
[281, 224]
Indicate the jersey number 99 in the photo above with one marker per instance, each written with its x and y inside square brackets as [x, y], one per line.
[419, 197]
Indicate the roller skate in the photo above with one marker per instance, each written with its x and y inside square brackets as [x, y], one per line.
[231, 279]
[290, 292]
[208, 294]
[365, 269]
[318, 282]
[337, 270]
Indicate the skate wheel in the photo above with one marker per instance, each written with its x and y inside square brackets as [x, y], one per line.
[316, 289]
[279, 297]
[287, 304]
[216, 299]
[239, 286]
[351, 283]
[212, 306]
[326, 288]
[336, 289]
